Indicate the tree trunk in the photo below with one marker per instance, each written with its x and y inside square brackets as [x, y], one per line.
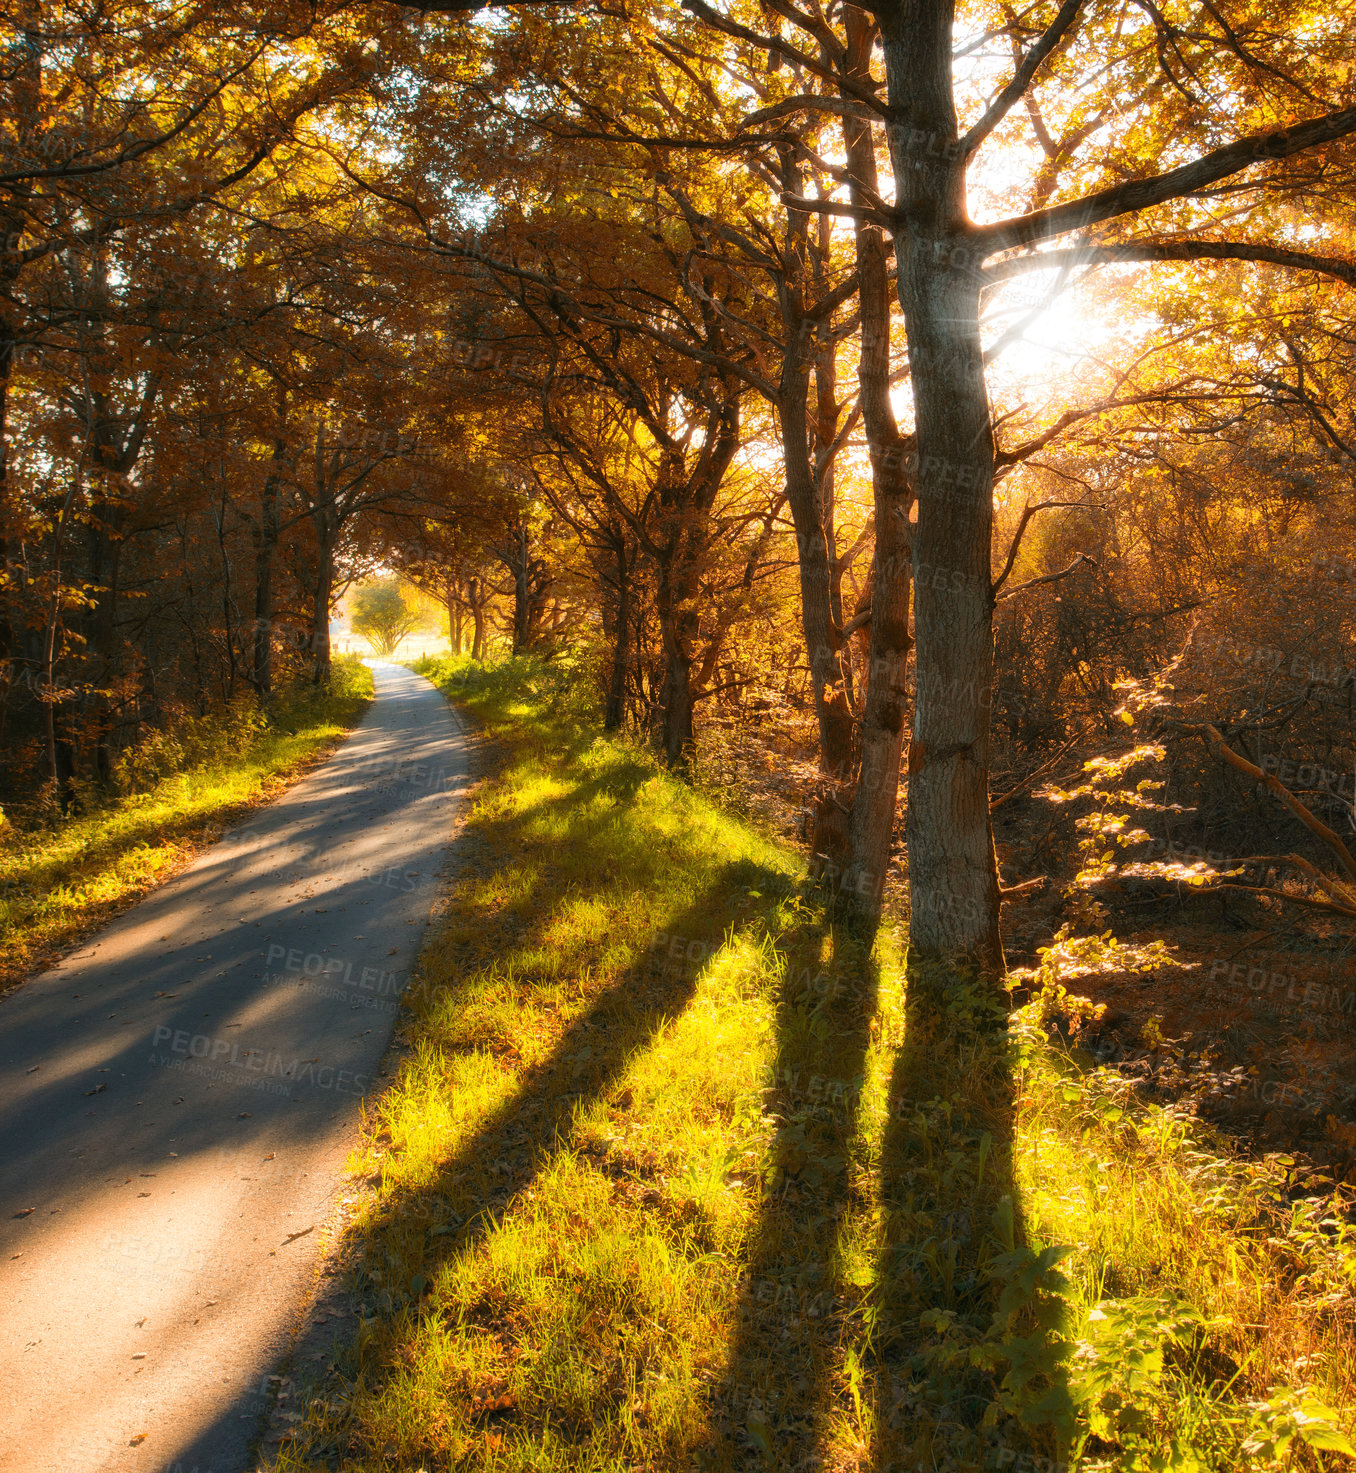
[103, 550]
[6, 579]
[8, 571]
[616, 691]
[531, 586]
[475, 593]
[875, 802]
[322, 593]
[228, 604]
[265, 546]
[677, 628]
[320, 617]
[685, 497]
[453, 616]
[823, 640]
[521, 593]
[953, 869]
[266, 532]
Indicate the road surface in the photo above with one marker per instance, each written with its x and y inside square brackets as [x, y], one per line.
[177, 1099]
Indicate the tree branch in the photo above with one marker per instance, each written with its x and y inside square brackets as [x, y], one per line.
[999, 108]
[1220, 748]
[1174, 250]
[1141, 194]
[1028, 512]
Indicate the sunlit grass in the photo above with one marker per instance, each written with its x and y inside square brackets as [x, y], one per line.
[675, 1177]
[59, 881]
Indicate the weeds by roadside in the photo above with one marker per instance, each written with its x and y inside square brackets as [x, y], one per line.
[61, 876]
[677, 1177]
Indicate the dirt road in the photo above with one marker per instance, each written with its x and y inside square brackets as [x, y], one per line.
[177, 1098]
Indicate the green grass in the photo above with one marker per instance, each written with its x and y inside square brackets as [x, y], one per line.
[58, 881]
[676, 1177]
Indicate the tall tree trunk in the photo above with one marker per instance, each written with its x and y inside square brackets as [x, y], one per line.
[325, 518]
[265, 548]
[103, 559]
[685, 497]
[522, 593]
[322, 591]
[453, 603]
[677, 619]
[320, 616]
[616, 691]
[8, 648]
[677, 701]
[60, 755]
[266, 533]
[953, 871]
[884, 711]
[529, 586]
[228, 606]
[823, 637]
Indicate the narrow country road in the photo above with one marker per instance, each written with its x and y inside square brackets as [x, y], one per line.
[177, 1099]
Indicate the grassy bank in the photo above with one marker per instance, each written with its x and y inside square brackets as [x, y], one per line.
[677, 1177]
[61, 879]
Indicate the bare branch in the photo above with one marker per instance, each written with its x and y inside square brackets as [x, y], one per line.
[1028, 512]
[999, 108]
[1082, 558]
[1220, 748]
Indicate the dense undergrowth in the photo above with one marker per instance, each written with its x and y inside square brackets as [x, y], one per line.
[676, 1176]
[60, 875]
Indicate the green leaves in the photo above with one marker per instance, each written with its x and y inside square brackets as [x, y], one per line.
[1290, 1416]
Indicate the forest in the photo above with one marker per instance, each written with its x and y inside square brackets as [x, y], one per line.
[920, 433]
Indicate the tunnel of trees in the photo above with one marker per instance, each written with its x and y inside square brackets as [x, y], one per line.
[916, 400]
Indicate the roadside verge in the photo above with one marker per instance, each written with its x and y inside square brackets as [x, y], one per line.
[674, 1175]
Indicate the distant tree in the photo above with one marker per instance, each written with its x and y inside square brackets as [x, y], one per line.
[384, 613]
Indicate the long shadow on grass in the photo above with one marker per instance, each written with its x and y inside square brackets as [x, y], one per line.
[778, 1394]
[905, 1370]
[960, 1345]
[449, 1216]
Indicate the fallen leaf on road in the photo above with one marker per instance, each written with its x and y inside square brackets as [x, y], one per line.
[24, 1211]
[244, 1115]
[138, 1439]
[97, 1090]
[140, 1355]
[35, 1068]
